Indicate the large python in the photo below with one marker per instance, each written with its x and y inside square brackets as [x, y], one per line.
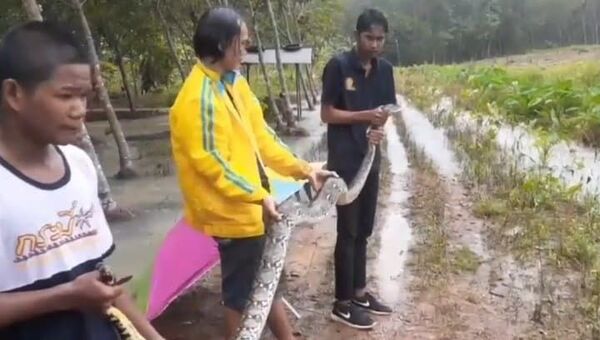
[297, 210]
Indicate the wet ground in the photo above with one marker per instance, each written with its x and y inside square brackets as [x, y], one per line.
[430, 257]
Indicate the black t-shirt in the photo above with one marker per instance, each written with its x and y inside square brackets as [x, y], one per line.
[346, 87]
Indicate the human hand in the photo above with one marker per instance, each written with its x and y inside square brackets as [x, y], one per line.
[270, 209]
[88, 292]
[375, 135]
[318, 177]
[379, 116]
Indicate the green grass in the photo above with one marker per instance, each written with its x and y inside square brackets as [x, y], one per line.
[562, 100]
[464, 260]
[140, 289]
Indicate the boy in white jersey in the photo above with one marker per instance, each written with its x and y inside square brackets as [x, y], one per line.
[53, 232]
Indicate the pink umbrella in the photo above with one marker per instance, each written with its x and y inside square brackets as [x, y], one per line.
[185, 256]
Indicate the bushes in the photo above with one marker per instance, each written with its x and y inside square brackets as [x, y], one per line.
[561, 99]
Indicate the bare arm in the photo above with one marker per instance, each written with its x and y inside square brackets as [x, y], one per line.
[84, 292]
[331, 115]
[126, 305]
[16, 307]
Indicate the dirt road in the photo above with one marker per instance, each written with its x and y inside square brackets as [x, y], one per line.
[430, 257]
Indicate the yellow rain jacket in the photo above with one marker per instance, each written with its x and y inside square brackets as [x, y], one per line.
[216, 143]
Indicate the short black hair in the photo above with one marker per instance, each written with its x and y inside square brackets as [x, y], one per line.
[371, 17]
[216, 30]
[31, 52]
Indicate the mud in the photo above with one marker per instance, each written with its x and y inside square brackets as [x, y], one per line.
[457, 285]
[574, 164]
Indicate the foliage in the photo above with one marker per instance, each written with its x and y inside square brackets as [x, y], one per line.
[538, 218]
[132, 30]
[562, 99]
[448, 31]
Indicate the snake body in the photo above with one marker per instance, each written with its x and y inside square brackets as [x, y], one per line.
[297, 210]
[123, 326]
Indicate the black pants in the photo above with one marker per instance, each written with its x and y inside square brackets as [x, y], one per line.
[354, 226]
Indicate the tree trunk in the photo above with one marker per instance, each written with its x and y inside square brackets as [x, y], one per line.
[584, 21]
[290, 121]
[103, 187]
[279, 122]
[308, 81]
[180, 26]
[33, 10]
[560, 36]
[136, 90]
[125, 81]
[311, 85]
[286, 21]
[309, 100]
[596, 26]
[85, 143]
[310, 97]
[125, 162]
[170, 40]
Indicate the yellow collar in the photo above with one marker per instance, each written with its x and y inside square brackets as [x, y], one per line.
[227, 78]
[213, 75]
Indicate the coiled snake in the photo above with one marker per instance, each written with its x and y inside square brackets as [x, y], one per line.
[296, 211]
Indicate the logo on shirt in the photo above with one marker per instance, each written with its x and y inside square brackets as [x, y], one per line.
[350, 84]
[73, 225]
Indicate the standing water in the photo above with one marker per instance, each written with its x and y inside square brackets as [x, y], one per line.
[437, 148]
[396, 234]
[572, 163]
[431, 140]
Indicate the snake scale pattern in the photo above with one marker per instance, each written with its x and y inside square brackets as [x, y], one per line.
[297, 210]
[123, 326]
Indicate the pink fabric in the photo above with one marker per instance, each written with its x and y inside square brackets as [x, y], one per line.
[184, 257]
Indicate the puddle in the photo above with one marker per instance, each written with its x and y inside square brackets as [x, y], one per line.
[395, 234]
[572, 163]
[431, 140]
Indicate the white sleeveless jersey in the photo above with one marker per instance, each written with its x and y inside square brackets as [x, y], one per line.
[49, 230]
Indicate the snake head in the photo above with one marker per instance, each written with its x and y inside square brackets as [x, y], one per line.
[106, 275]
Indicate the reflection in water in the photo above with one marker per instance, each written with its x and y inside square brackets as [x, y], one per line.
[396, 234]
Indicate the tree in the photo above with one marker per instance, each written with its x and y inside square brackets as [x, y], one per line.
[170, 40]
[109, 205]
[285, 13]
[32, 9]
[126, 169]
[291, 122]
[272, 104]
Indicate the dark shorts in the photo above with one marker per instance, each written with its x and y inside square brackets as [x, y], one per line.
[240, 259]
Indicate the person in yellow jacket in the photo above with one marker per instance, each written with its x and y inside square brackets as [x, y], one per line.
[221, 146]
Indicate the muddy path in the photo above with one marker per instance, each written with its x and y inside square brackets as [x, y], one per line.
[431, 257]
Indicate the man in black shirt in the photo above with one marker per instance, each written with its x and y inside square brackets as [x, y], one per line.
[356, 84]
